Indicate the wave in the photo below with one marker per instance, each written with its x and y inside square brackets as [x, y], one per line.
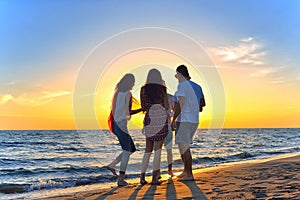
[7, 188]
[30, 155]
[10, 188]
[37, 160]
[69, 170]
[242, 156]
[73, 181]
[221, 159]
[282, 150]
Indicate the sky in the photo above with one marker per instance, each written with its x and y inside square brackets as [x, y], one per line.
[60, 60]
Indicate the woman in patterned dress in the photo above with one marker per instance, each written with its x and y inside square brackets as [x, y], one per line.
[154, 101]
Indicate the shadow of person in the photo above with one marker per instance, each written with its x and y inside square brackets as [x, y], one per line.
[195, 190]
[107, 194]
[150, 192]
[171, 190]
[133, 196]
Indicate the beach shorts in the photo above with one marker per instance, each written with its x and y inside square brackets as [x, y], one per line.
[185, 132]
[121, 131]
[168, 142]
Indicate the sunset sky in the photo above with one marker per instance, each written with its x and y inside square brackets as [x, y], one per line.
[60, 60]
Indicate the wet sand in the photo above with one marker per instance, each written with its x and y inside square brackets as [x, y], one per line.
[276, 178]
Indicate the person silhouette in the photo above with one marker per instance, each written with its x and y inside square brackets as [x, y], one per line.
[189, 101]
[168, 141]
[120, 114]
[154, 101]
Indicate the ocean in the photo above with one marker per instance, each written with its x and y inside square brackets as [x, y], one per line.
[36, 163]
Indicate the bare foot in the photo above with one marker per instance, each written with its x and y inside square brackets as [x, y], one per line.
[171, 173]
[156, 183]
[158, 176]
[143, 182]
[186, 178]
[122, 183]
[112, 170]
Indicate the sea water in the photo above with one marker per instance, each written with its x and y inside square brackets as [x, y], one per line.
[46, 160]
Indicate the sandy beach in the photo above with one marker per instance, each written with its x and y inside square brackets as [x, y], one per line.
[276, 178]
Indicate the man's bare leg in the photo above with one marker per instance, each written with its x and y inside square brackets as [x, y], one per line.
[187, 161]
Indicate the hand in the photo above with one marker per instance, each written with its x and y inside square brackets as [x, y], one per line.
[173, 126]
[143, 131]
[201, 109]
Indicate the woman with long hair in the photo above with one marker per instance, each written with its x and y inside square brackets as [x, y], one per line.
[154, 101]
[120, 114]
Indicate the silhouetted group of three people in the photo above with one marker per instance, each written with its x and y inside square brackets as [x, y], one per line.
[163, 113]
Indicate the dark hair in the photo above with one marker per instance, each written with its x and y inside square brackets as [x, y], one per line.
[154, 87]
[125, 83]
[182, 69]
[154, 76]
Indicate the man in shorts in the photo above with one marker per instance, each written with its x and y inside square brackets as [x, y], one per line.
[189, 100]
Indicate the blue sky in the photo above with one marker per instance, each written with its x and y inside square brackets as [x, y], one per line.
[37, 37]
[43, 42]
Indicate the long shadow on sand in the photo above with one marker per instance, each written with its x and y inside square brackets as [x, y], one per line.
[171, 190]
[195, 190]
[168, 191]
[107, 194]
[150, 192]
[135, 193]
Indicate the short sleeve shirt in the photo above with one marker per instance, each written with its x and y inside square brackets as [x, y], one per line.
[192, 94]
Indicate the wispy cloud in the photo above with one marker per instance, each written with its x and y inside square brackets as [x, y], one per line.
[11, 83]
[246, 51]
[31, 99]
[8, 83]
[278, 81]
[249, 39]
[5, 98]
[88, 94]
[50, 95]
[266, 71]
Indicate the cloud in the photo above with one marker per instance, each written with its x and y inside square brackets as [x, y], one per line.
[88, 94]
[5, 98]
[249, 39]
[50, 95]
[279, 80]
[264, 71]
[11, 83]
[247, 52]
[31, 99]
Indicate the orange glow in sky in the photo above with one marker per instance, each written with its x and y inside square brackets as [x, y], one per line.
[248, 68]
